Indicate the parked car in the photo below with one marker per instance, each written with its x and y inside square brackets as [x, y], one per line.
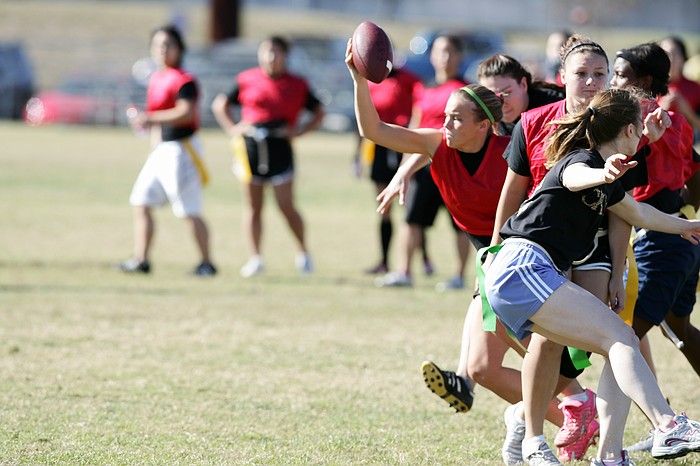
[85, 100]
[477, 45]
[16, 80]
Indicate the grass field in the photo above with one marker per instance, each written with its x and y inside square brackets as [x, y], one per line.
[101, 368]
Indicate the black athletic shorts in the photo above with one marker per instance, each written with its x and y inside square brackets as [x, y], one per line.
[384, 164]
[423, 200]
[270, 158]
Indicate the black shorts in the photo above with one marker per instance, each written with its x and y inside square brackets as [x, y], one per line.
[384, 164]
[423, 200]
[270, 158]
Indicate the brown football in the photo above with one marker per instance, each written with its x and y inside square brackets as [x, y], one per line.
[372, 54]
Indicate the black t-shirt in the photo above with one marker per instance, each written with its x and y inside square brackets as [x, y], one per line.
[472, 161]
[188, 91]
[537, 96]
[564, 222]
[516, 152]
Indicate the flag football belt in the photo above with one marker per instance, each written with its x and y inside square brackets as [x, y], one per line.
[196, 161]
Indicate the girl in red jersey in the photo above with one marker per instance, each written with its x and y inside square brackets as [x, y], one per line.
[271, 100]
[174, 171]
[393, 99]
[424, 201]
[467, 165]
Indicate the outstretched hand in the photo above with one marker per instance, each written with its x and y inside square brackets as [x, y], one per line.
[397, 187]
[656, 123]
[616, 166]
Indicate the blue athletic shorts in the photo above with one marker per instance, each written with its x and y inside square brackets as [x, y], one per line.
[520, 278]
[668, 275]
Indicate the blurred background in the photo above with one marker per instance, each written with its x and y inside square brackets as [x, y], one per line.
[85, 61]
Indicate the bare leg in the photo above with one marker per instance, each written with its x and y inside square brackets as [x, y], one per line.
[143, 232]
[201, 236]
[252, 219]
[539, 381]
[285, 200]
[484, 358]
[613, 407]
[689, 335]
[645, 348]
[410, 240]
[463, 249]
[558, 320]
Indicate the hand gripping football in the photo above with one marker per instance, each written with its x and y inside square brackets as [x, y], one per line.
[372, 54]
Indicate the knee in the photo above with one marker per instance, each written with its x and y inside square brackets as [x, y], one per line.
[626, 336]
[481, 371]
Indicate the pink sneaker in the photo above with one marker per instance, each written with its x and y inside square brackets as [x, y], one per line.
[577, 449]
[577, 417]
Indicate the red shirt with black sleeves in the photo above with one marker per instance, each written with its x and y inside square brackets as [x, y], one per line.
[265, 99]
[165, 87]
[471, 199]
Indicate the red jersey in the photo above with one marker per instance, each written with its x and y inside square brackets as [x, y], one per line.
[431, 102]
[164, 88]
[393, 97]
[537, 131]
[471, 199]
[670, 162]
[264, 98]
[690, 90]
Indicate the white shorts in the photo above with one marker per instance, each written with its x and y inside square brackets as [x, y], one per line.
[169, 175]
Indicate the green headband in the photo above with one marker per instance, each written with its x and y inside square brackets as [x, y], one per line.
[481, 103]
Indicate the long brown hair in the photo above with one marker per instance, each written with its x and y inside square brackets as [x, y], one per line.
[607, 114]
[490, 100]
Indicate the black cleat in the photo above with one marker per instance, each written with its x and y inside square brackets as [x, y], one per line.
[455, 390]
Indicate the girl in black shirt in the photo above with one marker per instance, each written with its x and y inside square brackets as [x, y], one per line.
[528, 291]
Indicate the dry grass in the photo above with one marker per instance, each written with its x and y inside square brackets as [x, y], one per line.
[101, 368]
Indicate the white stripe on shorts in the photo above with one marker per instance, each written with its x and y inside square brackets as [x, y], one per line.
[531, 279]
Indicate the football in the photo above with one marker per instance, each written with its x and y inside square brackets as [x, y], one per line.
[372, 54]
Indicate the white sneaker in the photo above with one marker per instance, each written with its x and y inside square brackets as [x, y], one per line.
[624, 460]
[512, 450]
[678, 441]
[253, 267]
[454, 283]
[304, 264]
[394, 280]
[542, 456]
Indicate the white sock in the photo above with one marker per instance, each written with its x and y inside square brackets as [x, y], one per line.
[532, 444]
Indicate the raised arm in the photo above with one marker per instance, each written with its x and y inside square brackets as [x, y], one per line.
[579, 176]
[400, 139]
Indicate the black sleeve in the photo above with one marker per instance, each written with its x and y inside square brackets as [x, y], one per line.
[188, 91]
[616, 193]
[312, 103]
[233, 96]
[516, 152]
